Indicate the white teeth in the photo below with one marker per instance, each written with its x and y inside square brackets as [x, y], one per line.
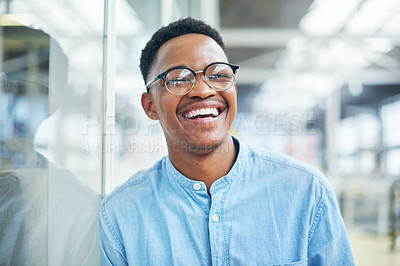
[204, 111]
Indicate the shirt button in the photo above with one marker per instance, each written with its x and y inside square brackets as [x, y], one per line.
[197, 186]
[215, 218]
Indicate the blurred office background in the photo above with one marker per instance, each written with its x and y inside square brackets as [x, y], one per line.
[318, 80]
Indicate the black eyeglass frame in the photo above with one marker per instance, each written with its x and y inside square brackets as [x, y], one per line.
[165, 73]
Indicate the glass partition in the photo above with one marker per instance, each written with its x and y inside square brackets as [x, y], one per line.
[50, 131]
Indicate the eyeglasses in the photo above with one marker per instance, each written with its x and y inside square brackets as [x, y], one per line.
[180, 80]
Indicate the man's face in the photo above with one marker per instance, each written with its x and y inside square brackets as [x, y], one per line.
[199, 134]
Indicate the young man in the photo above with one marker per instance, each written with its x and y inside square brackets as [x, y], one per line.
[213, 200]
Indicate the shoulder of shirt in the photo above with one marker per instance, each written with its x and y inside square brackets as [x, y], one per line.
[138, 179]
[290, 163]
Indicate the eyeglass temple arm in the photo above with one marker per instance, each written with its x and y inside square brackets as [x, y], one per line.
[151, 82]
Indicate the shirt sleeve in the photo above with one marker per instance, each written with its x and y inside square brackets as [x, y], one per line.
[111, 249]
[328, 241]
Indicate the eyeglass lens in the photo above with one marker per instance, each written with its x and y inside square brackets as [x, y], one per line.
[180, 81]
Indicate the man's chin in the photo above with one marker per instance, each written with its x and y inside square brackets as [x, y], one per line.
[198, 147]
[205, 147]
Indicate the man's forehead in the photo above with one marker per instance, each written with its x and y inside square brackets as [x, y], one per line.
[187, 38]
[184, 48]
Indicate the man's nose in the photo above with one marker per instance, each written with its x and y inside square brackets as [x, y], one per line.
[201, 88]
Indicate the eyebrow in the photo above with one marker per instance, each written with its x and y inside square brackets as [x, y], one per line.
[179, 66]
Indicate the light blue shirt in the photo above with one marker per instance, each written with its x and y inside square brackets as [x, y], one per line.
[268, 210]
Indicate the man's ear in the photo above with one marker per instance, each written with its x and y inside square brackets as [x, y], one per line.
[148, 106]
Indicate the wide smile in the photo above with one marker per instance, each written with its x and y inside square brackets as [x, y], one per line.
[202, 115]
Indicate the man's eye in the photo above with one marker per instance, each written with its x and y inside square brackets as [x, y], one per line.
[178, 82]
[219, 77]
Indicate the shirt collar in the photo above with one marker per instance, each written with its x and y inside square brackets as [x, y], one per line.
[176, 177]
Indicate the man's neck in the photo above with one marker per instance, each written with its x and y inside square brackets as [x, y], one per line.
[206, 167]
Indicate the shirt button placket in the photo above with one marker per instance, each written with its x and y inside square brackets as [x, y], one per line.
[216, 230]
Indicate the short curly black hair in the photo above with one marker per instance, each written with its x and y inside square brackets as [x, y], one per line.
[175, 29]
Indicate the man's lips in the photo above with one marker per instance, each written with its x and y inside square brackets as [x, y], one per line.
[201, 110]
[202, 113]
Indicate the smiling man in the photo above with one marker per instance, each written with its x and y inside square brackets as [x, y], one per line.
[213, 200]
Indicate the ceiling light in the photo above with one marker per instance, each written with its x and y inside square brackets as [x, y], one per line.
[327, 17]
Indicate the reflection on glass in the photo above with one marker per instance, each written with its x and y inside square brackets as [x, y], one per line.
[24, 95]
[49, 188]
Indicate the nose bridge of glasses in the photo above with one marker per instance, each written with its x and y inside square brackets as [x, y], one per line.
[200, 71]
[204, 75]
[204, 78]
[195, 89]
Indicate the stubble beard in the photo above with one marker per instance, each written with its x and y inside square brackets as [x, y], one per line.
[197, 148]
